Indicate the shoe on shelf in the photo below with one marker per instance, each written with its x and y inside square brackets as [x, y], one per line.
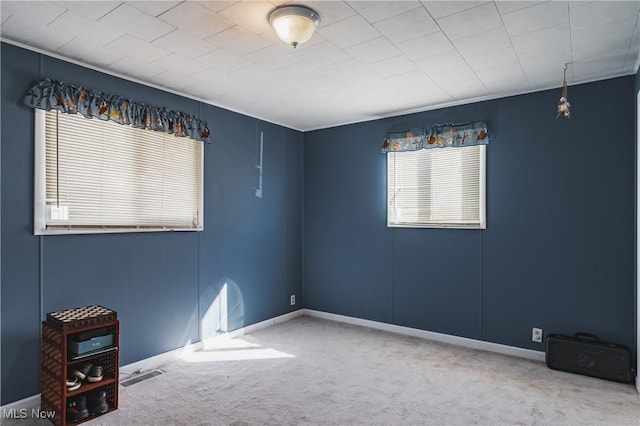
[95, 374]
[80, 371]
[77, 409]
[73, 383]
[97, 402]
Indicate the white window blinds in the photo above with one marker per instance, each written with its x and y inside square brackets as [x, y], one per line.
[117, 178]
[437, 188]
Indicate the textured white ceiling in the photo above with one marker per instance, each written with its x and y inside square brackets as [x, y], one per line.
[368, 59]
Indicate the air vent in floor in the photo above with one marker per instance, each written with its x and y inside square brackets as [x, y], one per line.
[140, 377]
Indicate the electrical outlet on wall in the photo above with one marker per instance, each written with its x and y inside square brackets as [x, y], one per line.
[293, 299]
[536, 335]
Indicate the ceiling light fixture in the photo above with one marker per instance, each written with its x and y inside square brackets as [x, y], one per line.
[294, 24]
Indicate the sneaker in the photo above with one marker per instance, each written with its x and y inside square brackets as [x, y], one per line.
[80, 371]
[77, 409]
[95, 374]
[97, 402]
[73, 383]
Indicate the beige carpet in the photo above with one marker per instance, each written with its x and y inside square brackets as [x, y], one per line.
[317, 372]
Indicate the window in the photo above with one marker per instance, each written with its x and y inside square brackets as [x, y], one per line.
[99, 176]
[437, 188]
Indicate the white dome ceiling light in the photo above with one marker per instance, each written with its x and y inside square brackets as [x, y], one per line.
[294, 24]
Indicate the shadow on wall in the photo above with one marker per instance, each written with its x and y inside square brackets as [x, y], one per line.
[222, 309]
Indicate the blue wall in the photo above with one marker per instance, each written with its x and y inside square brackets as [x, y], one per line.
[161, 284]
[558, 251]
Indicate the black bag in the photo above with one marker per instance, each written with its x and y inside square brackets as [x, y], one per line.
[585, 354]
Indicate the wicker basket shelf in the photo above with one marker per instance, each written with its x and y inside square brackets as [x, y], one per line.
[56, 361]
[81, 317]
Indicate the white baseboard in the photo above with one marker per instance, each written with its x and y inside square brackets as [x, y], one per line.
[150, 363]
[163, 358]
[211, 342]
[158, 360]
[430, 335]
[263, 324]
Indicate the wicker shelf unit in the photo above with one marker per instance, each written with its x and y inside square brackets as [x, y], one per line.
[58, 361]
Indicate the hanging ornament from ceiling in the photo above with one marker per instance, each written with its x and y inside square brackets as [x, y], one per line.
[563, 104]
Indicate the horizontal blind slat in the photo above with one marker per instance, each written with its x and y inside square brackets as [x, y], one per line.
[115, 175]
[435, 186]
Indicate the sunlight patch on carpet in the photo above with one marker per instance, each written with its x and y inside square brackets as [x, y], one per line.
[229, 354]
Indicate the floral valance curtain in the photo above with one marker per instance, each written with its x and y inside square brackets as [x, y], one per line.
[437, 136]
[50, 94]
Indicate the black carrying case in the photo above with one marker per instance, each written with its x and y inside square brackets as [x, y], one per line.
[585, 354]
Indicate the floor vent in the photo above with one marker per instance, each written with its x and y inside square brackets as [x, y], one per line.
[140, 377]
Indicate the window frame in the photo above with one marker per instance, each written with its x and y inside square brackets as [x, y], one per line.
[40, 190]
[439, 225]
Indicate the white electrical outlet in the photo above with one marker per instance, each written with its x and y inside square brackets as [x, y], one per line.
[293, 299]
[536, 335]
